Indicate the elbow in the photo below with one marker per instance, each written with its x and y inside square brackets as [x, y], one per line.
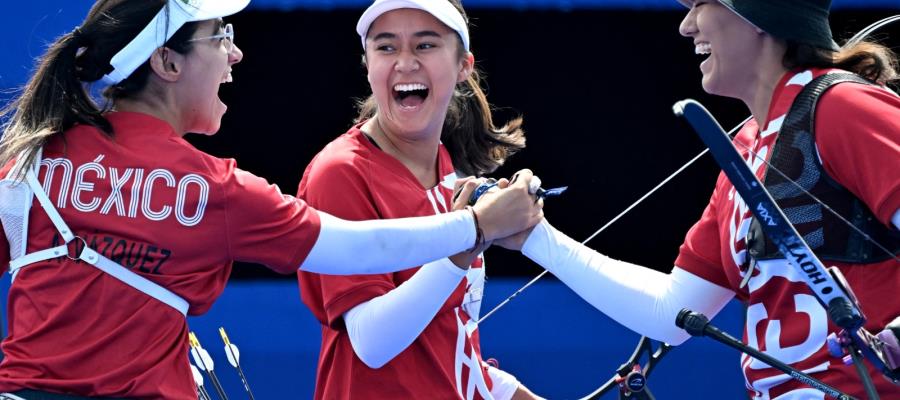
[673, 337]
[374, 361]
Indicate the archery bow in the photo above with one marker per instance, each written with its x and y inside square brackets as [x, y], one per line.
[827, 284]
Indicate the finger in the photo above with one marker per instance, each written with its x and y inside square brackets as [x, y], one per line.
[534, 185]
[521, 178]
[462, 197]
[503, 183]
[457, 186]
[519, 174]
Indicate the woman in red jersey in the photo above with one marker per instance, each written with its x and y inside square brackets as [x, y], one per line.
[763, 53]
[115, 228]
[409, 334]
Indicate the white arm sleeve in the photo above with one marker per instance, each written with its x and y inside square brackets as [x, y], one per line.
[644, 300]
[504, 384]
[384, 326]
[896, 219]
[387, 245]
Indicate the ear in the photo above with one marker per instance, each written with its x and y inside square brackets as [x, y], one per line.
[167, 64]
[468, 65]
[365, 65]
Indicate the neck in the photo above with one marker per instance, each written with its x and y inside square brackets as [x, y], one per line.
[163, 107]
[759, 90]
[418, 154]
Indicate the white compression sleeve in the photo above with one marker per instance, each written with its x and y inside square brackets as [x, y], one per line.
[387, 245]
[504, 384]
[384, 326]
[643, 300]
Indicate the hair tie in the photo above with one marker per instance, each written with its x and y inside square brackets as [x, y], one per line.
[78, 36]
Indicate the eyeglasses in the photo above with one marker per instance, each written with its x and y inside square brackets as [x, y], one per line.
[227, 36]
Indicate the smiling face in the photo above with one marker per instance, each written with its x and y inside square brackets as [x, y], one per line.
[206, 67]
[414, 63]
[732, 46]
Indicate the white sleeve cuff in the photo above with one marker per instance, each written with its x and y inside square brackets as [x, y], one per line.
[503, 384]
[383, 327]
[644, 300]
[387, 245]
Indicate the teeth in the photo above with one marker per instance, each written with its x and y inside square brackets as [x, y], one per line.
[702, 48]
[406, 87]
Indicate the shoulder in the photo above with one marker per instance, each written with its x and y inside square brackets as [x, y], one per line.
[848, 110]
[345, 156]
[851, 99]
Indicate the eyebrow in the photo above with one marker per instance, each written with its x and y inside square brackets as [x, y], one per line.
[420, 34]
[220, 24]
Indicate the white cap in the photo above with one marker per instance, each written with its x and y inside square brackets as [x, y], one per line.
[162, 27]
[440, 9]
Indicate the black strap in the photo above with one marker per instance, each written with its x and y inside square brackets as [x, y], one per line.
[829, 238]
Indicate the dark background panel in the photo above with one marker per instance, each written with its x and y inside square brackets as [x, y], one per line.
[595, 88]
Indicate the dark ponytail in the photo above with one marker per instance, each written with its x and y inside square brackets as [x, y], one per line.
[872, 61]
[476, 146]
[57, 95]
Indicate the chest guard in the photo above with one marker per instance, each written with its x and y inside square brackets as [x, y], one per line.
[796, 156]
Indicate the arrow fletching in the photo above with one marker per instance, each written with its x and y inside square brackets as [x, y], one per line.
[198, 377]
[233, 354]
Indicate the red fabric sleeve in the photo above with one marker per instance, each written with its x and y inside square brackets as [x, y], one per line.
[335, 183]
[701, 252]
[265, 226]
[858, 137]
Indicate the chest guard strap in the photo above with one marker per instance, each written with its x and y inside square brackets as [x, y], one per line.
[796, 156]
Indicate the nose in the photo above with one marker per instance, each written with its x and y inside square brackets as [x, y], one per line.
[406, 62]
[236, 55]
[688, 25]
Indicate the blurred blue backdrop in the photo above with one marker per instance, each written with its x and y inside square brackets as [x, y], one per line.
[554, 342]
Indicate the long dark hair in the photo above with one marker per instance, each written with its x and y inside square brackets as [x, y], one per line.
[870, 60]
[57, 95]
[475, 144]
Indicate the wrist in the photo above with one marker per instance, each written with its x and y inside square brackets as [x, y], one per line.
[479, 233]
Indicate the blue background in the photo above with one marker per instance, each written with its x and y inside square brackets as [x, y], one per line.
[550, 339]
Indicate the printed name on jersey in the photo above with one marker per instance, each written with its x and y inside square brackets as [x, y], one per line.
[143, 257]
[134, 191]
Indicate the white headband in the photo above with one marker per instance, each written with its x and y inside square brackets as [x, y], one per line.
[160, 30]
[440, 9]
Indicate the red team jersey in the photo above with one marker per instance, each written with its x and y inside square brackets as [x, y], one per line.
[857, 129]
[150, 201]
[352, 179]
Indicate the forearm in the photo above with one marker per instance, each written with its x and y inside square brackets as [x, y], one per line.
[383, 327]
[382, 246]
[642, 299]
[504, 384]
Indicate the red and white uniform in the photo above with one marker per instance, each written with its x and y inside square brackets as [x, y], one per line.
[352, 179]
[151, 202]
[858, 138]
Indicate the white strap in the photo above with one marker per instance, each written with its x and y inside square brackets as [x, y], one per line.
[104, 264]
[42, 255]
[134, 280]
[87, 254]
[48, 205]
